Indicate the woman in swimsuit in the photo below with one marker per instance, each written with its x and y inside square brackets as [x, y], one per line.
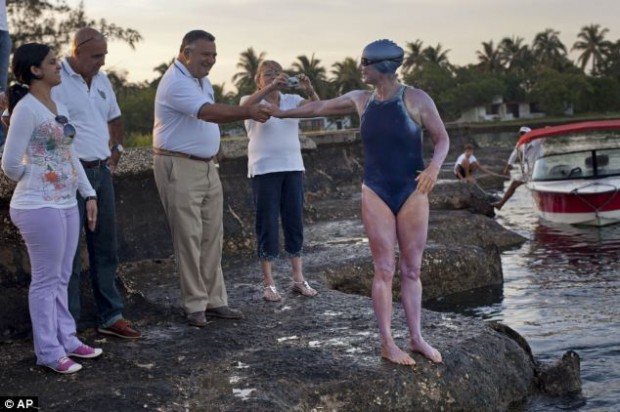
[396, 183]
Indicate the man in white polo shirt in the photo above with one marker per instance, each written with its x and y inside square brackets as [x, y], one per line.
[93, 110]
[186, 139]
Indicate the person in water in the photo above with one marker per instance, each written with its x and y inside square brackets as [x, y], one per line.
[396, 183]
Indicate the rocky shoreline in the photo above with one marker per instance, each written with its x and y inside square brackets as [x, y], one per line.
[297, 354]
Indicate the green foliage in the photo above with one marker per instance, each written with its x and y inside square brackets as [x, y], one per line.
[54, 22]
[557, 92]
[138, 140]
[248, 63]
[136, 104]
[437, 81]
[603, 95]
[474, 93]
[347, 77]
[540, 72]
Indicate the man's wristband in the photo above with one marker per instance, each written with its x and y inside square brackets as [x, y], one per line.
[87, 198]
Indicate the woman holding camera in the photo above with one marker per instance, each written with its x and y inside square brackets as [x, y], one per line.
[39, 156]
[276, 168]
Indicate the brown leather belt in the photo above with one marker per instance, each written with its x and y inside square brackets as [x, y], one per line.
[166, 152]
[93, 164]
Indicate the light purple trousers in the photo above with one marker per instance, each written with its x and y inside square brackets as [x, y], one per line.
[51, 237]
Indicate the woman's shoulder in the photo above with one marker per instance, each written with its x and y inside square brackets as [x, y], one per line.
[26, 103]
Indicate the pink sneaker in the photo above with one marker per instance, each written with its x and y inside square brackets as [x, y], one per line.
[64, 365]
[85, 351]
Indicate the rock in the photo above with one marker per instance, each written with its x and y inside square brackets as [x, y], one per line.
[297, 354]
[341, 252]
[332, 193]
[562, 377]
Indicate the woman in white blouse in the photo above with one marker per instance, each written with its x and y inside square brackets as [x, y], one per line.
[276, 168]
[38, 155]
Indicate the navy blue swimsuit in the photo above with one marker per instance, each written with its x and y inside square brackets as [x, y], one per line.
[392, 150]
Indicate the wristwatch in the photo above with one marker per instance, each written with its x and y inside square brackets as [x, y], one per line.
[118, 148]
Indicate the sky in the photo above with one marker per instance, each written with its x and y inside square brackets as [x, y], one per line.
[334, 29]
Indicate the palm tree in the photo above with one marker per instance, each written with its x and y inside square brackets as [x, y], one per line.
[592, 46]
[549, 49]
[248, 63]
[515, 55]
[610, 66]
[489, 58]
[221, 96]
[413, 56]
[312, 68]
[347, 76]
[436, 56]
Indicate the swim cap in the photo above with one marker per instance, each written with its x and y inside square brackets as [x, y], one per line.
[524, 130]
[389, 55]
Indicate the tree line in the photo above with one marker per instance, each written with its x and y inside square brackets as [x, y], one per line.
[540, 72]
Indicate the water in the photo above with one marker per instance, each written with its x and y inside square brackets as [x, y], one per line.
[562, 292]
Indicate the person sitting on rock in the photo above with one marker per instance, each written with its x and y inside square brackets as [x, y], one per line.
[467, 164]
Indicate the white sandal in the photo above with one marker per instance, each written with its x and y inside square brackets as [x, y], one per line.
[303, 288]
[270, 293]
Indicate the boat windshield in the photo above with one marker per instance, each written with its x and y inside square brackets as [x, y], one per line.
[578, 165]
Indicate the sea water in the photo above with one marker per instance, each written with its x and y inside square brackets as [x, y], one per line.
[561, 292]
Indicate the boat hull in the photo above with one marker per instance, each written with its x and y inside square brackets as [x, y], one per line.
[573, 171]
[574, 208]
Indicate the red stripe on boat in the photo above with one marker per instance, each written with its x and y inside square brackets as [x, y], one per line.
[572, 203]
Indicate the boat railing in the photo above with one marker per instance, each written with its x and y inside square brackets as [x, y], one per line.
[601, 206]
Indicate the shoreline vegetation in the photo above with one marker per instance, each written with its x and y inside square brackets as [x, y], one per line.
[581, 76]
[145, 139]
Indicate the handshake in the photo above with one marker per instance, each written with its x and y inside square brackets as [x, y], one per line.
[261, 112]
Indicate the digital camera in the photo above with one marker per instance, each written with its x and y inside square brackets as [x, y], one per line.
[293, 81]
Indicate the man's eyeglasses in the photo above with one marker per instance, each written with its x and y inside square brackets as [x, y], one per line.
[95, 37]
[367, 62]
[67, 128]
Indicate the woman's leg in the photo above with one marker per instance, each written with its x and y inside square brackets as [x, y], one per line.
[266, 189]
[380, 226]
[44, 231]
[292, 212]
[66, 322]
[412, 229]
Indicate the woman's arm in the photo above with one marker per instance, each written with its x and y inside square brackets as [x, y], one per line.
[306, 86]
[258, 96]
[346, 104]
[86, 191]
[17, 140]
[422, 107]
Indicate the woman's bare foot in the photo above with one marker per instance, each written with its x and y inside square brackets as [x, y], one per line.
[426, 350]
[394, 354]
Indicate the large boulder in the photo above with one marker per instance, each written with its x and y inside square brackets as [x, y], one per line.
[297, 354]
[333, 178]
